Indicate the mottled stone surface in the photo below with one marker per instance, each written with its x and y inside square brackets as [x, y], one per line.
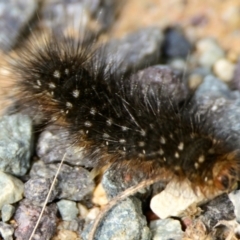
[11, 189]
[26, 217]
[15, 144]
[73, 183]
[125, 221]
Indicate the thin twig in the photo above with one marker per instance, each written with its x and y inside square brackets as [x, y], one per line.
[47, 198]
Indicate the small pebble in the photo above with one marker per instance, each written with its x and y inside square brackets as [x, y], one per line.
[7, 212]
[166, 229]
[37, 189]
[68, 209]
[194, 80]
[209, 52]
[6, 231]
[182, 196]
[66, 235]
[11, 189]
[224, 69]
[99, 196]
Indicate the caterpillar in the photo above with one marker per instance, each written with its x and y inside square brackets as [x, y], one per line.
[121, 120]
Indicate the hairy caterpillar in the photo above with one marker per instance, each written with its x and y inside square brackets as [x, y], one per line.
[120, 120]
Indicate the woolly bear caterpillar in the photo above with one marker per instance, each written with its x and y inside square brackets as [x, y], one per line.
[119, 120]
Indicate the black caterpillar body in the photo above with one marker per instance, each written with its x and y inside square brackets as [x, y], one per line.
[122, 121]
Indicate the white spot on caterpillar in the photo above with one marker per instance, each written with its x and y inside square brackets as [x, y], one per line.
[93, 111]
[196, 165]
[143, 151]
[109, 122]
[181, 146]
[211, 151]
[122, 141]
[88, 124]
[105, 135]
[143, 133]
[124, 148]
[164, 159]
[161, 152]
[56, 74]
[107, 143]
[176, 155]
[39, 83]
[124, 128]
[205, 179]
[69, 105]
[162, 140]
[201, 159]
[76, 93]
[141, 144]
[52, 85]
[66, 71]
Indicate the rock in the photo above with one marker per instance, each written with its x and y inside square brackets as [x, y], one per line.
[134, 51]
[6, 231]
[75, 225]
[7, 212]
[77, 16]
[125, 221]
[11, 189]
[220, 208]
[14, 17]
[37, 189]
[209, 52]
[68, 209]
[234, 197]
[66, 235]
[26, 217]
[182, 196]
[166, 229]
[15, 144]
[175, 44]
[235, 83]
[73, 183]
[54, 142]
[224, 69]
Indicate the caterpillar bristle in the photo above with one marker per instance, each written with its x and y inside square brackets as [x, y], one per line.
[122, 119]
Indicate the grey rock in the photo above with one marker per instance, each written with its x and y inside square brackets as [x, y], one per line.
[37, 189]
[173, 86]
[54, 142]
[175, 44]
[220, 109]
[220, 208]
[234, 197]
[26, 217]
[6, 231]
[123, 222]
[11, 189]
[73, 183]
[166, 229]
[15, 144]
[135, 51]
[68, 209]
[14, 15]
[7, 212]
